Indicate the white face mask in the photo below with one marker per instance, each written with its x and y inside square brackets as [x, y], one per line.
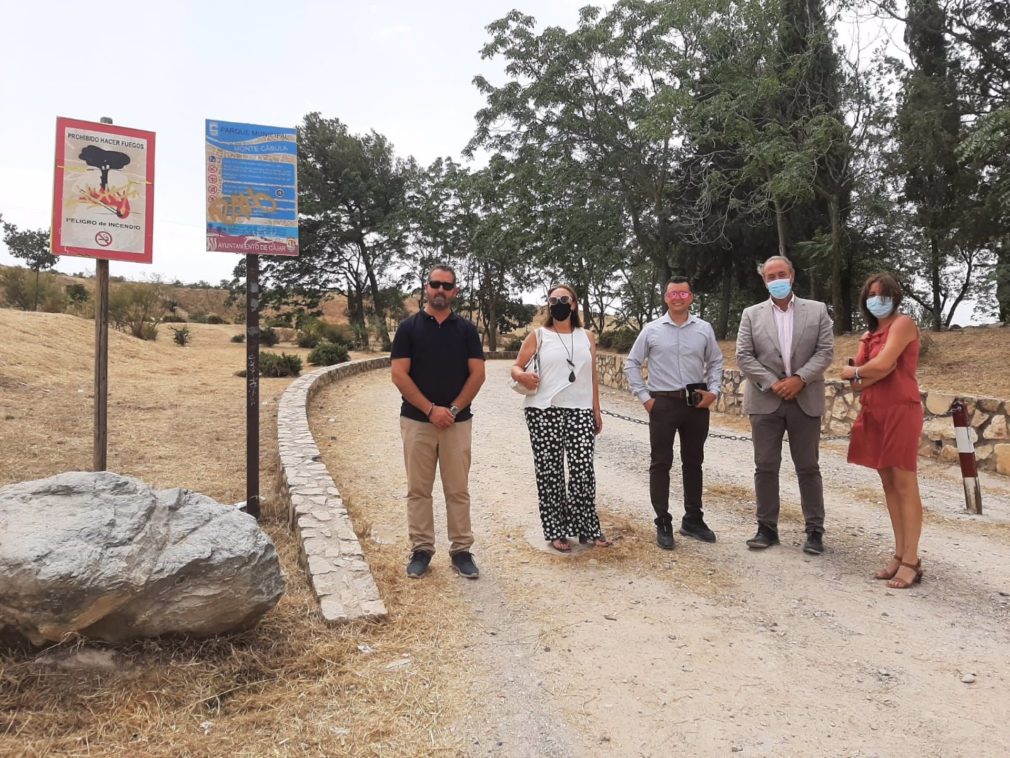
[780, 288]
[880, 307]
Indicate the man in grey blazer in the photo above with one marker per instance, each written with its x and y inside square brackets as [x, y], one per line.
[783, 348]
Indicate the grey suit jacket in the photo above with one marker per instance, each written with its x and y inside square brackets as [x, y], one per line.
[760, 361]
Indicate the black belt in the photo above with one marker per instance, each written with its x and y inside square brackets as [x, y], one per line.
[681, 394]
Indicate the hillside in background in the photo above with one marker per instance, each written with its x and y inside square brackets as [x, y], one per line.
[969, 360]
[191, 300]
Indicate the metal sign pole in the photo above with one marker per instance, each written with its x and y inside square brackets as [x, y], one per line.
[252, 384]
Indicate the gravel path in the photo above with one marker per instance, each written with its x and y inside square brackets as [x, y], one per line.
[710, 649]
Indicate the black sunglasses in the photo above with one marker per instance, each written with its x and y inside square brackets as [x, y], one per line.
[444, 285]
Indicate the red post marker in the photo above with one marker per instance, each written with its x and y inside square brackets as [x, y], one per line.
[966, 453]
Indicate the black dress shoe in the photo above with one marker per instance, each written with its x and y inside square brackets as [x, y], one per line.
[814, 544]
[698, 532]
[664, 536]
[763, 539]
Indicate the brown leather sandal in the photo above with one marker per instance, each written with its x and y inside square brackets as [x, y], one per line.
[562, 545]
[885, 574]
[902, 584]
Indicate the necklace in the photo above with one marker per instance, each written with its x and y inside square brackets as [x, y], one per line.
[570, 354]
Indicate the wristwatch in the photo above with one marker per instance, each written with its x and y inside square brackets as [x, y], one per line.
[454, 411]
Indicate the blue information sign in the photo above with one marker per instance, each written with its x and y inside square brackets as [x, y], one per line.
[252, 188]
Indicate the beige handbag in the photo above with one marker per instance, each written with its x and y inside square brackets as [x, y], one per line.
[532, 366]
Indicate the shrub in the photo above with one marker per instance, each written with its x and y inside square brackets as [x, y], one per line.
[77, 293]
[313, 331]
[268, 336]
[52, 299]
[272, 364]
[619, 340]
[340, 333]
[174, 318]
[238, 337]
[137, 308]
[199, 317]
[328, 353]
[283, 319]
[182, 335]
[213, 318]
[307, 339]
[512, 342]
[23, 289]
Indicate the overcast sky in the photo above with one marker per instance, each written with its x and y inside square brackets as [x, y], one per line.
[401, 67]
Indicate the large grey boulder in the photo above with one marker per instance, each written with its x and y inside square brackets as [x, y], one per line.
[113, 559]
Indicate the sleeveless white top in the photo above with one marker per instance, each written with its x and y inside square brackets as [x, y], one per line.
[555, 389]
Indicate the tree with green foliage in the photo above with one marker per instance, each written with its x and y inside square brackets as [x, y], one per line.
[350, 195]
[32, 247]
[609, 94]
[929, 132]
[494, 239]
[981, 32]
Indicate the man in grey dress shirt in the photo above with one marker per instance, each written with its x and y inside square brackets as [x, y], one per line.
[783, 348]
[685, 376]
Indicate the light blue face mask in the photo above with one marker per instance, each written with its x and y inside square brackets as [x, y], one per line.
[880, 307]
[780, 288]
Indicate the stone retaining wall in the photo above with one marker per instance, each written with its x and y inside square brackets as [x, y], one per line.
[987, 417]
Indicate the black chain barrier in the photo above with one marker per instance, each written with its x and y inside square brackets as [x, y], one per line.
[745, 438]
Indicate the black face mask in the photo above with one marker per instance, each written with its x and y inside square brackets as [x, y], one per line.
[561, 311]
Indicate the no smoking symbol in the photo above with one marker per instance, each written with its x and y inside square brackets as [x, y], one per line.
[104, 239]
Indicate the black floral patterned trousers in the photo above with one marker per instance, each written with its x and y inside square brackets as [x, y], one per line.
[557, 434]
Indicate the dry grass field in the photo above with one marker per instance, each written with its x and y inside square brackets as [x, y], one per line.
[292, 686]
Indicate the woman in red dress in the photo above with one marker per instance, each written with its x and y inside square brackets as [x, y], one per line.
[886, 434]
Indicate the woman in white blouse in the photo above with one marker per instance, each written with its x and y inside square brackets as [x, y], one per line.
[563, 416]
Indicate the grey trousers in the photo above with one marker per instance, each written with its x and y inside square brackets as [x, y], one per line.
[767, 430]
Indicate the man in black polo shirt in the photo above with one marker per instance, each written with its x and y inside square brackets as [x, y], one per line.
[438, 366]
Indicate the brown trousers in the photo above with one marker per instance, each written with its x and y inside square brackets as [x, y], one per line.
[425, 447]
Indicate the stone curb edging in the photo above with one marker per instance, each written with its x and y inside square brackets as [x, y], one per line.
[330, 551]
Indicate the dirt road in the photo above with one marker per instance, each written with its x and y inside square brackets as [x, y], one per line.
[710, 649]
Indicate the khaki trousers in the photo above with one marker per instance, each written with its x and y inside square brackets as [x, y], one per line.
[425, 447]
